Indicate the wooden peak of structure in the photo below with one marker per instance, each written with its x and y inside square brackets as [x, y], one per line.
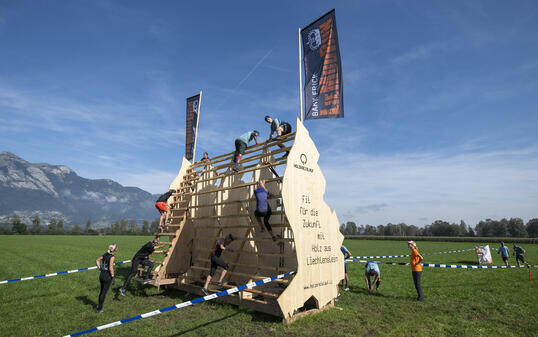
[212, 201]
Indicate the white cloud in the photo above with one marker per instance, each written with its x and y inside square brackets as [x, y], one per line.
[411, 187]
[153, 181]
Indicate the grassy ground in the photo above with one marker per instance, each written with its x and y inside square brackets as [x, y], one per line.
[458, 302]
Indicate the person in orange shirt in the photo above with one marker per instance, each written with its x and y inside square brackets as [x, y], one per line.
[416, 267]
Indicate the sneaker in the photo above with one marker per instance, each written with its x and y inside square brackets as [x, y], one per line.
[147, 280]
[262, 230]
[122, 292]
[286, 154]
[99, 310]
[222, 283]
[346, 289]
[204, 290]
[276, 237]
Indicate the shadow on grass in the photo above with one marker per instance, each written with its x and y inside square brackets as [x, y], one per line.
[87, 301]
[203, 325]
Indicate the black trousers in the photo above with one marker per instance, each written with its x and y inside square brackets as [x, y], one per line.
[416, 280]
[134, 268]
[266, 216]
[240, 148]
[216, 261]
[106, 280]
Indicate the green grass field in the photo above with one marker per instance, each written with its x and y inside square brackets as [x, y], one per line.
[497, 302]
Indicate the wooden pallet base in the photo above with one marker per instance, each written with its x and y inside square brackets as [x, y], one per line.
[267, 307]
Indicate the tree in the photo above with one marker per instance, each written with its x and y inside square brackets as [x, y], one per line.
[532, 227]
[485, 228]
[6, 226]
[17, 226]
[471, 231]
[76, 229]
[145, 226]
[343, 228]
[351, 228]
[369, 230]
[516, 228]
[52, 225]
[154, 225]
[411, 230]
[88, 226]
[61, 225]
[133, 227]
[36, 228]
[123, 225]
[115, 228]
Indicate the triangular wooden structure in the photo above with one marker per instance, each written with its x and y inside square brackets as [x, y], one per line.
[213, 201]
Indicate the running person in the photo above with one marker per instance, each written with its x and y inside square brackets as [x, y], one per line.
[162, 206]
[518, 252]
[372, 269]
[142, 257]
[105, 264]
[505, 253]
[263, 209]
[347, 255]
[216, 261]
[241, 145]
[416, 268]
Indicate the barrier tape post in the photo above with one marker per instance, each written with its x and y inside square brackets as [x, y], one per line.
[56, 274]
[183, 304]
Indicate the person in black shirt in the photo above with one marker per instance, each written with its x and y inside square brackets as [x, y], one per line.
[216, 261]
[142, 257]
[162, 206]
[105, 264]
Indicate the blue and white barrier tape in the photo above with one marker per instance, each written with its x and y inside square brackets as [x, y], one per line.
[55, 274]
[184, 304]
[438, 265]
[393, 256]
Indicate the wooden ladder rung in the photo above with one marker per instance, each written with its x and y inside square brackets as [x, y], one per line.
[243, 274]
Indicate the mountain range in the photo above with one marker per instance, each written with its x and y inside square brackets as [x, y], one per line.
[56, 191]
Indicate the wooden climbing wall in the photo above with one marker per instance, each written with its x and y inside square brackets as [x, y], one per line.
[212, 201]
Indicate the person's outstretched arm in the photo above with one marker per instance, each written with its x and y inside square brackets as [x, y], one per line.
[98, 262]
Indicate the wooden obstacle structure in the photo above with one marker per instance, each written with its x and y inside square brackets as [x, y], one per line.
[212, 201]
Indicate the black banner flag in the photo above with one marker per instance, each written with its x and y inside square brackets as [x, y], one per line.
[193, 104]
[323, 90]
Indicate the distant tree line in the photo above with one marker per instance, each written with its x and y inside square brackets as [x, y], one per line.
[14, 225]
[486, 228]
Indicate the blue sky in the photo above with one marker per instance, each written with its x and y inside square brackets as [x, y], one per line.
[441, 98]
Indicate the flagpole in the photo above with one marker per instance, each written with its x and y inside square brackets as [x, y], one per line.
[197, 123]
[300, 77]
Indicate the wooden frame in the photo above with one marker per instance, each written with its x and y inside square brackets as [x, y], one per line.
[212, 201]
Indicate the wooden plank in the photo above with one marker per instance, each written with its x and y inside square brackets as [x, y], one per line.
[244, 274]
[237, 215]
[276, 225]
[232, 202]
[251, 168]
[243, 161]
[242, 252]
[268, 143]
[280, 269]
[230, 188]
